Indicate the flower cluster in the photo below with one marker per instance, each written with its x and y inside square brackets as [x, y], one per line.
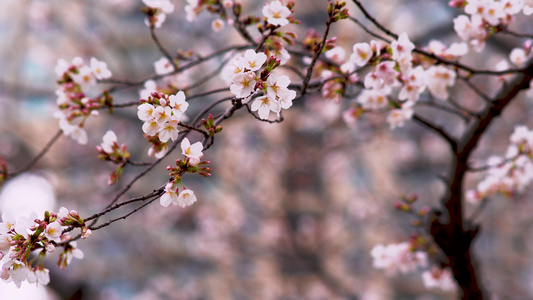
[21, 238]
[395, 68]
[511, 173]
[156, 11]
[162, 115]
[241, 72]
[398, 258]
[484, 15]
[111, 151]
[438, 278]
[74, 81]
[192, 164]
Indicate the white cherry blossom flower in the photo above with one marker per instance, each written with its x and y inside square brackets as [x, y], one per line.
[146, 112]
[438, 278]
[397, 117]
[362, 53]
[186, 198]
[373, 99]
[85, 78]
[74, 252]
[243, 84]
[518, 57]
[109, 139]
[336, 54]
[178, 104]
[217, 25]
[169, 130]
[439, 79]
[170, 195]
[151, 128]
[397, 258]
[192, 9]
[53, 231]
[100, 69]
[61, 67]
[193, 151]
[276, 13]
[252, 61]
[263, 106]
[402, 47]
[163, 66]
[149, 87]
[162, 114]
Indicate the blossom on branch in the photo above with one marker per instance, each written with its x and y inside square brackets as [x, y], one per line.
[276, 13]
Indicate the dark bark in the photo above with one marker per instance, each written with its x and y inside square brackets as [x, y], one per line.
[451, 231]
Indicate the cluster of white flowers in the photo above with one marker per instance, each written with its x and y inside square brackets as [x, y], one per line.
[186, 197]
[438, 278]
[241, 73]
[28, 235]
[399, 72]
[162, 8]
[508, 174]
[75, 80]
[276, 13]
[473, 28]
[161, 115]
[397, 258]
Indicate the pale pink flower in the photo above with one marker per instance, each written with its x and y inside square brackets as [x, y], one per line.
[276, 13]
[373, 99]
[109, 140]
[169, 130]
[438, 278]
[439, 79]
[146, 112]
[397, 117]
[402, 47]
[178, 104]
[252, 61]
[193, 151]
[217, 25]
[151, 128]
[162, 114]
[163, 66]
[170, 195]
[336, 54]
[100, 69]
[61, 67]
[362, 53]
[53, 231]
[243, 84]
[192, 9]
[85, 78]
[397, 258]
[518, 57]
[186, 198]
[263, 106]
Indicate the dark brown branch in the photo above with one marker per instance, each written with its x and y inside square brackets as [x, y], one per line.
[34, 160]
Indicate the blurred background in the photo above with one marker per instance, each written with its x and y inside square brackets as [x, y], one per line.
[292, 209]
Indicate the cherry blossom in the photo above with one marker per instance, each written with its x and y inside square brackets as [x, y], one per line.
[186, 198]
[518, 57]
[163, 66]
[243, 84]
[263, 106]
[217, 25]
[276, 13]
[192, 152]
[397, 258]
[397, 117]
[109, 140]
[178, 104]
[252, 61]
[439, 79]
[362, 53]
[438, 278]
[402, 47]
[170, 195]
[99, 69]
[53, 231]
